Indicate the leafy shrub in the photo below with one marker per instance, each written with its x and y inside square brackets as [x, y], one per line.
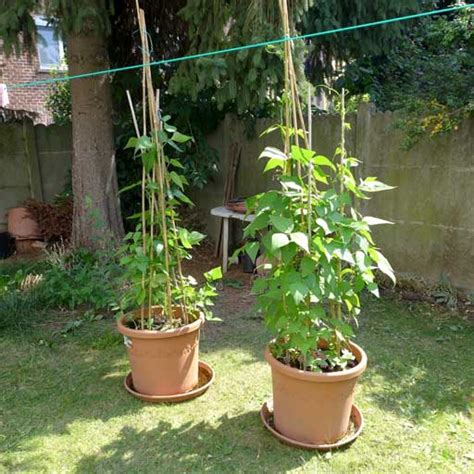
[54, 220]
[68, 279]
[58, 101]
[427, 77]
[76, 278]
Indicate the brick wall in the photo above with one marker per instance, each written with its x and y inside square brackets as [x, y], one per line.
[14, 69]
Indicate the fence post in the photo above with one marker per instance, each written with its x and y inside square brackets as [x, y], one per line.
[32, 160]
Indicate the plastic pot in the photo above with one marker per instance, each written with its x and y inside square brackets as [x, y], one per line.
[163, 362]
[314, 408]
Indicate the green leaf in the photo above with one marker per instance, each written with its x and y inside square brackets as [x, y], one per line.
[195, 237]
[251, 249]
[371, 185]
[148, 159]
[180, 137]
[300, 239]
[272, 164]
[345, 254]
[323, 161]
[214, 274]
[169, 128]
[302, 155]
[324, 225]
[273, 153]
[270, 200]
[288, 253]
[234, 258]
[290, 182]
[307, 266]
[184, 237]
[298, 290]
[385, 267]
[375, 220]
[176, 163]
[259, 286]
[283, 224]
[259, 223]
[144, 143]
[130, 186]
[183, 198]
[270, 129]
[278, 241]
[320, 175]
[373, 288]
[132, 143]
[176, 179]
[276, 158]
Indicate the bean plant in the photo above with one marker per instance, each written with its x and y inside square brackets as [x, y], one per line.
[154, 252]
[318, 251]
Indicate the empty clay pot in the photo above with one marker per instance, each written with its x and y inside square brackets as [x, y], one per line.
[163, 362]
[314, 408]
[21, 225]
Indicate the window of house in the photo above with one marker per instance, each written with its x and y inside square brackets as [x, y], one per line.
[50, 47]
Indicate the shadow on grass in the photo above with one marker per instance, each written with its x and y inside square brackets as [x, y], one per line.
[231, 444]
[419, 358]
[419, 365]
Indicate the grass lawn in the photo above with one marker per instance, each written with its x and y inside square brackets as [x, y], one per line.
[63, 407]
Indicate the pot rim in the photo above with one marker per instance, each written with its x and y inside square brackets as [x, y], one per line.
[154, 334]
[356, 371]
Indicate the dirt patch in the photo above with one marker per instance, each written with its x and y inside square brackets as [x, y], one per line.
[234, 288]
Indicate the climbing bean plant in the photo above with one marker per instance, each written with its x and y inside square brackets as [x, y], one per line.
[318, 249]
[153, 253]
[319, 252]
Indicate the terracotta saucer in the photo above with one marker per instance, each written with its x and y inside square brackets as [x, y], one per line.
[357, 420]
[206, 377]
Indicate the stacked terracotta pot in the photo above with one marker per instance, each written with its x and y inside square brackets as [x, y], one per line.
[24, 229]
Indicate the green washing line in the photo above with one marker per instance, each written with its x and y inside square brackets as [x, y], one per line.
[239, 48]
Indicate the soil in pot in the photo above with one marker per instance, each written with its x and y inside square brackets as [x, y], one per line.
[314, 408]
[163, 362]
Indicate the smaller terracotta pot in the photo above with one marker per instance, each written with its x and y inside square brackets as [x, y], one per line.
[236, 205]
[21, 225]
[163, 362]
[314, 408]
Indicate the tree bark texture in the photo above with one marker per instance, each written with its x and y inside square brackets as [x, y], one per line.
[97, 218]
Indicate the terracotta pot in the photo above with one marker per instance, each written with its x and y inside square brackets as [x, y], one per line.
[163, 362]
[236, 205]
[21, 225]
[314, 408]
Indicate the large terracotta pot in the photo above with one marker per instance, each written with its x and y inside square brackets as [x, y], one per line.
[313, 408]
[21, 225]
[163, 362]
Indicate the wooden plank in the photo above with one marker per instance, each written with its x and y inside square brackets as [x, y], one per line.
[32, 161]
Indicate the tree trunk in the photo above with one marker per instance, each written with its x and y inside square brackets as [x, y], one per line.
[97, 219]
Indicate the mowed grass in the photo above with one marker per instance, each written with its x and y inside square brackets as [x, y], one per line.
[63, 407]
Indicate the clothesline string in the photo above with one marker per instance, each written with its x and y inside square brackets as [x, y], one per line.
[239, 48]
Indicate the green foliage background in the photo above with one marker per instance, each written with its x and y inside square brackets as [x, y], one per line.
[428, 77]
